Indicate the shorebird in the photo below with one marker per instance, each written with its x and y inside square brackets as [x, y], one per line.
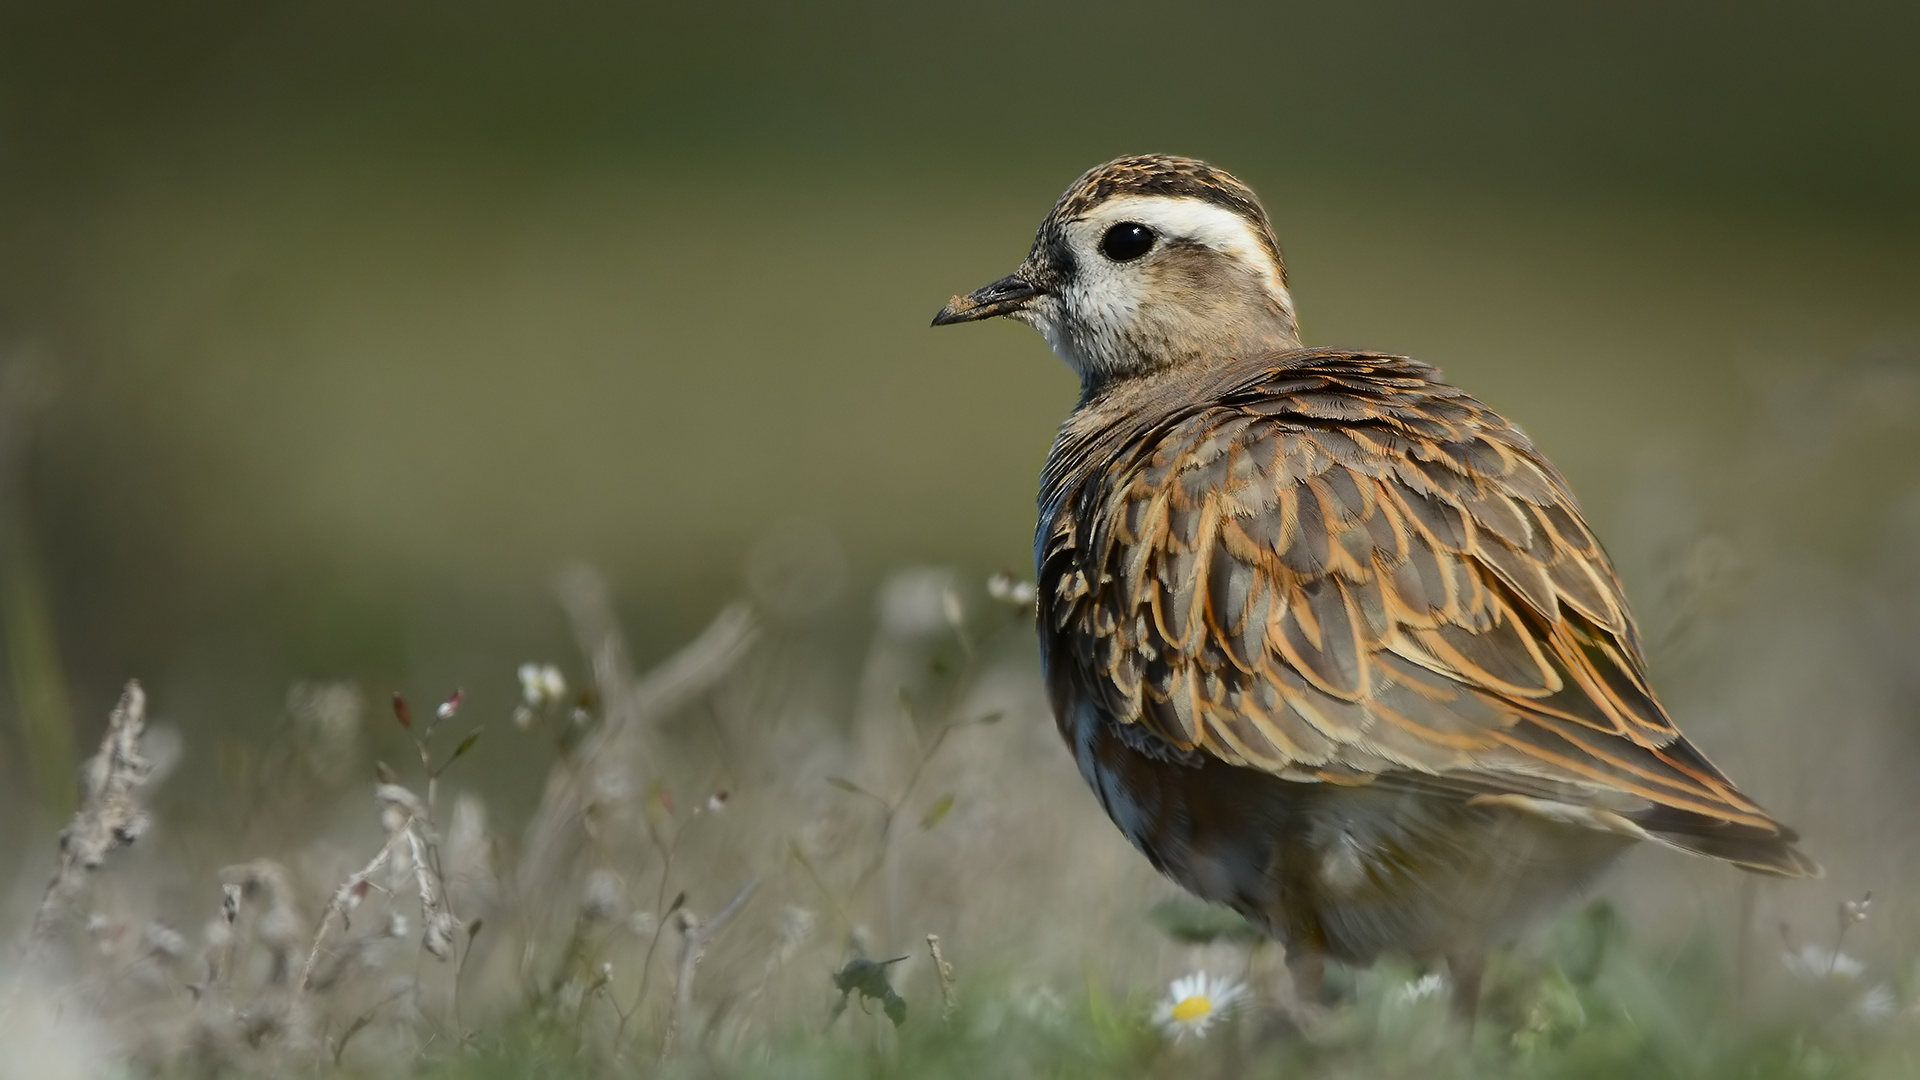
[1330, 640]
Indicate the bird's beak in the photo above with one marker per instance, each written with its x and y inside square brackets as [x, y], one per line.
[1003, 297]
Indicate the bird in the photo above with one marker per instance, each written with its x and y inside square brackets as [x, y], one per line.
[1329, 639]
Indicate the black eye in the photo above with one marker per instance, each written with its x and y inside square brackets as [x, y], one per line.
[1126, 241]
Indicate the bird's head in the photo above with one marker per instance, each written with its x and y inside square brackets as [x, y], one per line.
[1147, 263]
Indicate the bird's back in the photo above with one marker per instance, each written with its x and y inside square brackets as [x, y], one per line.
[1332, 570]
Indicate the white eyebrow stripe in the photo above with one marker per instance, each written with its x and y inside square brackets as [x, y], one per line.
[1190, 219]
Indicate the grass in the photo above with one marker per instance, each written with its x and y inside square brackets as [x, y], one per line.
[690, 901]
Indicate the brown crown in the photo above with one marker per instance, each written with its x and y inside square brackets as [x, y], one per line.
[1164, 174]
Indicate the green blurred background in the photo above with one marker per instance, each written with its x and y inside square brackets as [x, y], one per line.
[330, 331]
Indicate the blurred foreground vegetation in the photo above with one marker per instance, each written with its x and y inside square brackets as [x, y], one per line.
[720, 881]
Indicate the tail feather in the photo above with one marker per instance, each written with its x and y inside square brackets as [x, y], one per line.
[1749, 847]
[1763, 848]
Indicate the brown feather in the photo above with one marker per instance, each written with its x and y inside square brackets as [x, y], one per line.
[1334, 564]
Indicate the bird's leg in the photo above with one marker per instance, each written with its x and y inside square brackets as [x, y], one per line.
[1464, 972]
[1302, 1011]
[1309, 972]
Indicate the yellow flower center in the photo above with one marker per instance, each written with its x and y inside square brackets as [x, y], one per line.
[1192, 1008]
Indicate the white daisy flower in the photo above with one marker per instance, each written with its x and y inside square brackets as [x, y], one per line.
[1194, 1002]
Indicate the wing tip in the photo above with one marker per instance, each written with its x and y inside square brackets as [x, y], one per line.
[1772, 856]
[1787, 862]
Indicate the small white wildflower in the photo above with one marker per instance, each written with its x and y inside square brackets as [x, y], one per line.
[1432, 984]
[1195, 1002]
[1855, 911]
[1876, 1004]
[1818, 962]
[522, 717]
[1010, 590]
[541, 684]
[396, 925]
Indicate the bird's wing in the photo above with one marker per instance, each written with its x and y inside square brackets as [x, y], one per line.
[1349, 571]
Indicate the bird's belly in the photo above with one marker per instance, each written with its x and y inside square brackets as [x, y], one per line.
[1352, 872]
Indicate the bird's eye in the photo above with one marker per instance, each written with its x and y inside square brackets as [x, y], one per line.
[1126, 241]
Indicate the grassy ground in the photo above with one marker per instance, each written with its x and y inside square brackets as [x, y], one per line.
[722, 877]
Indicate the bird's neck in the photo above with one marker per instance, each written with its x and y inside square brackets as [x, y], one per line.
[1189, 349]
